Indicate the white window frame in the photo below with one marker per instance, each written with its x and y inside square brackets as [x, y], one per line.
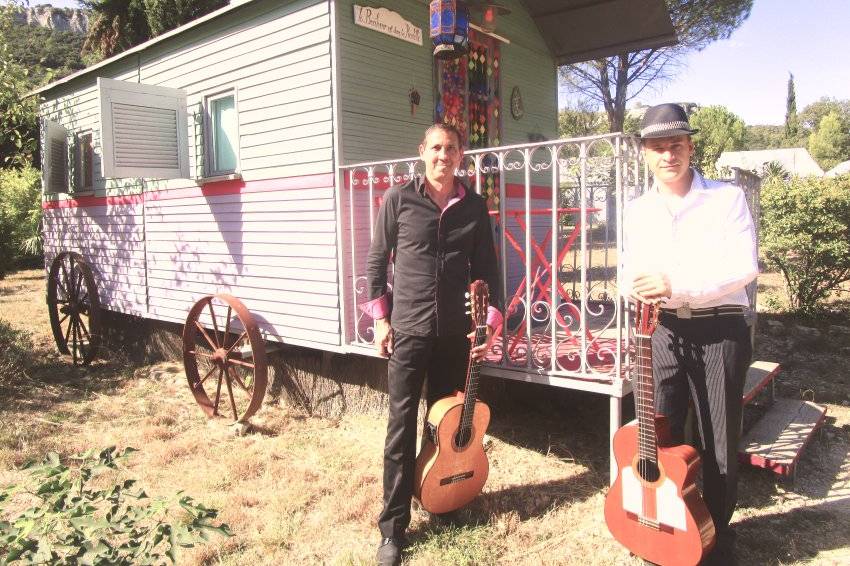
[112, 91]
[78, 162]
[210, 170]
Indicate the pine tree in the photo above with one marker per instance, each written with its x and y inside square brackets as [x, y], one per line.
[791, 128]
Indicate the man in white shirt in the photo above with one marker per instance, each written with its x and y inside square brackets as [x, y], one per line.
[690, 245]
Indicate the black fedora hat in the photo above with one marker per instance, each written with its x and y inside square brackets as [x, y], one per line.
[664, 121]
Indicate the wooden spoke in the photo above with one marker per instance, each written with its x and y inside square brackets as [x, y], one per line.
[232, 400]
[83, 328]
[237, 379]
[203, 379]
[215, 324]
[238, 340]
[241, 363]
[64, 318]
[248, 376]
[218, 391]
[206, 336]
[74, 339]
[200, 353]
[61, 286]
[226, 328]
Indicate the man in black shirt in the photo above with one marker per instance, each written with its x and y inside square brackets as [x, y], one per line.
[439, 236]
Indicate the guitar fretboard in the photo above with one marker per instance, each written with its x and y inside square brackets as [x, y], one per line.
[471, 389]
[645, 400]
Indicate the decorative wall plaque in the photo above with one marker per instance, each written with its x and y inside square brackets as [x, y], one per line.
[517, 109]
[388, 22]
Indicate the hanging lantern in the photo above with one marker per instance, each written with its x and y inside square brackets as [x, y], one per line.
[449, 28]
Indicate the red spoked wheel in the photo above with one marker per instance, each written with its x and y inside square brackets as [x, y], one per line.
[74, 307]
[224, 358]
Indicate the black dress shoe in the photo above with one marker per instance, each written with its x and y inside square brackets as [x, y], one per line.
[389, 553]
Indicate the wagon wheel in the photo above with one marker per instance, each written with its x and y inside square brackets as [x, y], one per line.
[224, 358]
[74, 307]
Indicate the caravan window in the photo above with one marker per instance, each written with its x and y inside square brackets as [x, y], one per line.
[223, 134]
[83, 162]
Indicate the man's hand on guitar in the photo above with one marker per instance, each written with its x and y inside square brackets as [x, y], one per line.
[383, 337]
[651, 287]
[478, 352]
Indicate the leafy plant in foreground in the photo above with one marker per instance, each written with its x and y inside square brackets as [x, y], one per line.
[75, 521]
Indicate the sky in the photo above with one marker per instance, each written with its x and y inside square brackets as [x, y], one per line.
[748, 73]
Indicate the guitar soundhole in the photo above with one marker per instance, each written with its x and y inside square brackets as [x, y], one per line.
[463, 437]
[648, 470]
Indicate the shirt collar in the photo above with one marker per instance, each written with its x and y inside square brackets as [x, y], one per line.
[460, 188]
[698, 184]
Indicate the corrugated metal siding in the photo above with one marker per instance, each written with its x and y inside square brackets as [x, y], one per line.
[274, 248]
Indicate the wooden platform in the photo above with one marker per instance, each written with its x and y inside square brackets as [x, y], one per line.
[759, 376]
[776, 441]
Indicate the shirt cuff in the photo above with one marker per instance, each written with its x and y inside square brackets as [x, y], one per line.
[378, 308]
[494, 317]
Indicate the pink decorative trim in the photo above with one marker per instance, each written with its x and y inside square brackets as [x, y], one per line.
[209, 190]
[377, 308]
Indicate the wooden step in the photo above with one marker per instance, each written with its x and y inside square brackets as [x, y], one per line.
[759, 375]
[778, 438]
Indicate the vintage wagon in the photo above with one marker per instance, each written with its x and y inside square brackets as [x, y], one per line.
[226, 175]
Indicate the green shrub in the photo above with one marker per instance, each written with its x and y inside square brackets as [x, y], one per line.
[20, 217]
[805, 234]
[80, 519]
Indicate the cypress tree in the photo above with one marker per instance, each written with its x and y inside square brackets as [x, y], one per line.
[791, 129]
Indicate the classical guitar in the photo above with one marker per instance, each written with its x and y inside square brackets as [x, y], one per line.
[654, 508]
[451, 467]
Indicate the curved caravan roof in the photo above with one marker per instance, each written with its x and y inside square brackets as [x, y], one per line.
[574, 30]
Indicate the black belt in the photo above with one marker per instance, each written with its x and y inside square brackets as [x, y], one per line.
[685, 313]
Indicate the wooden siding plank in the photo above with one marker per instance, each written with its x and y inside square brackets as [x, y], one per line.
[244, 249]
[319, 268]
[237, 238]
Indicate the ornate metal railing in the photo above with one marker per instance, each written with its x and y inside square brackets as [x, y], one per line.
[556, 209]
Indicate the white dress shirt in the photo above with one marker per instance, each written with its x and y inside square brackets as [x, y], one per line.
[705, 242]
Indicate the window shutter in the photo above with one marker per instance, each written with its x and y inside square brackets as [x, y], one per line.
[144, 131]
[54, 157]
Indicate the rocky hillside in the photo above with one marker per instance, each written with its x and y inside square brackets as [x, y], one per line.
[72, 20]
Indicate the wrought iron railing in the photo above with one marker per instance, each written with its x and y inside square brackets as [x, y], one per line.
[556, 209]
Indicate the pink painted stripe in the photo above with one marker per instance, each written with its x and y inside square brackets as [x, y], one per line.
[82, 202]
[211, 189]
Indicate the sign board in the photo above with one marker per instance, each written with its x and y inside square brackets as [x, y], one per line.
[388, 22]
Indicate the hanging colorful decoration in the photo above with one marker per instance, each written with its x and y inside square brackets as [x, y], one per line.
[449, 28]
[468, 97]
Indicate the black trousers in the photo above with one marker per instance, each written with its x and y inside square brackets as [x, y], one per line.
[443, 360]
[705, 359]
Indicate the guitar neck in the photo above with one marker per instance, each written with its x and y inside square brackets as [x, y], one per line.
[471, 390]
[645, 400]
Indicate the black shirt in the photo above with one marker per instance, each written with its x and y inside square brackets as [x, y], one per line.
[436, 256]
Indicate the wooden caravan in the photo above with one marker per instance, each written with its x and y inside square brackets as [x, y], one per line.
[244, 155]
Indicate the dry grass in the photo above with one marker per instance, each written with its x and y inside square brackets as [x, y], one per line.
[307, 490]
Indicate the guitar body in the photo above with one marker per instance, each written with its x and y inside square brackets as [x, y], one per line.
[449, 476]
[685, 532]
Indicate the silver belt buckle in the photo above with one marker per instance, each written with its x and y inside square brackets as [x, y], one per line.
[684, 311]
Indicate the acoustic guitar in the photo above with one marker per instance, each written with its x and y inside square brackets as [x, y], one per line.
[654, 508]
[451, 467]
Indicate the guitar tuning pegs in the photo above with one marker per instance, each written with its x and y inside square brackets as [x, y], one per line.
[466, 295]
[468, 312]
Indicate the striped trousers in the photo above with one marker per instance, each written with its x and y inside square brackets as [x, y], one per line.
[705, 360]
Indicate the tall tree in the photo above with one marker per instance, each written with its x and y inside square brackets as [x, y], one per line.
[18, 118]
[614, 81]
[791, 125]
[165, 15]
[719, 130]
[579, 121]
[811, 116]
[120, 24]
[830, 143]
[115, 25]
